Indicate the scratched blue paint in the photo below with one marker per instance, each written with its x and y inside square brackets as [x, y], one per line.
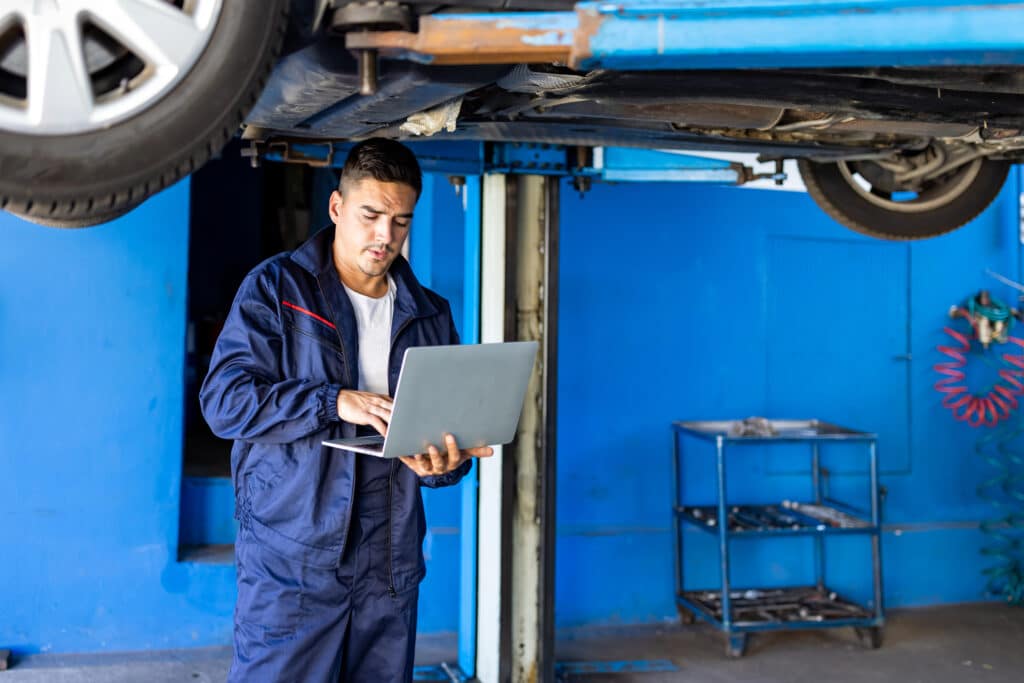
[556, 24]
[549, 38]
[666, 35]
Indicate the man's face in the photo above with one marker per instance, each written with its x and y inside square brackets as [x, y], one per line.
[372, 223]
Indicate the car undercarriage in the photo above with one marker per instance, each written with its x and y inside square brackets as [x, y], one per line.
[900, 134]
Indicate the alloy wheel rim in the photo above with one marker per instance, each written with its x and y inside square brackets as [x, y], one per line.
[69, 67]
[935, 193]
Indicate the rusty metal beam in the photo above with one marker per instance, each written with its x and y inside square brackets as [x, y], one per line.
[694, 34]
[444, 40]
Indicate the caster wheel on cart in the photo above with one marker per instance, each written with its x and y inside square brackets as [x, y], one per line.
[871, 637]
[735, 645]
[685, 616]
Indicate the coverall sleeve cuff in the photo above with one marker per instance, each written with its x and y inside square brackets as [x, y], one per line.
[328, 399]
[453, 477]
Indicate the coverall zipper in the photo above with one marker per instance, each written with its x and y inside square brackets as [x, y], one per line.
[337, 331]
[391, 559]
[391, 481]
[348, 379]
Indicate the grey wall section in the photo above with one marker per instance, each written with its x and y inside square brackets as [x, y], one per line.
[91, 361]
[689, 302]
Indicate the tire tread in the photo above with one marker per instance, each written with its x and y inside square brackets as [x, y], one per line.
[79, 211]
[809, 172]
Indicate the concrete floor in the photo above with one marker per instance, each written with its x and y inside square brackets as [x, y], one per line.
[956, 644]
[982, 642]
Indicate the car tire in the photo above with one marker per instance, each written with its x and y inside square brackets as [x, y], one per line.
[83, 179]
[83, 222]
[955, 203]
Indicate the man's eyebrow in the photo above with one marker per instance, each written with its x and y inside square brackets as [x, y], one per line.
[367, 207]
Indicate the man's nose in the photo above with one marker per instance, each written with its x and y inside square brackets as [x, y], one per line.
[384, 232]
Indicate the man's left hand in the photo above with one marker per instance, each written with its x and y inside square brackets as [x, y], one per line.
[435, 461]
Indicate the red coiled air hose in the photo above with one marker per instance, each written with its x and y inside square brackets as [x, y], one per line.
[987, 409]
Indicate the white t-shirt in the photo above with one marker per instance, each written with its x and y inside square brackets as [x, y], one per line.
[373, 323]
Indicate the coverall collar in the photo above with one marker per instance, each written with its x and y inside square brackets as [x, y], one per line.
[316, 256]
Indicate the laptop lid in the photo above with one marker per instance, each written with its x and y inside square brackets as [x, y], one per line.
[474, 391]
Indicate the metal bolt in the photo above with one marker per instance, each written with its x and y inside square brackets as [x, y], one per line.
[367, 72]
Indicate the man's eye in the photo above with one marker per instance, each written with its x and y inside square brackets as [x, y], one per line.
[402, 224]
[369, 217]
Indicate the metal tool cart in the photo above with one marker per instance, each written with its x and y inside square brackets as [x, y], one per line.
[737, 612]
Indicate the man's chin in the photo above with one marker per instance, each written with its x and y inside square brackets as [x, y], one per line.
[375, 268]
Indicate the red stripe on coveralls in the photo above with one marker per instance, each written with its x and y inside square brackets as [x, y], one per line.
[311, 314]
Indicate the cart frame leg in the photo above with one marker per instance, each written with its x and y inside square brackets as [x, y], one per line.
[735, 645]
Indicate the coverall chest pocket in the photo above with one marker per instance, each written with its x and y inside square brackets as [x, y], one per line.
[311, 347]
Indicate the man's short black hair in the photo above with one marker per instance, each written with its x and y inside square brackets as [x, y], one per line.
[384, 160]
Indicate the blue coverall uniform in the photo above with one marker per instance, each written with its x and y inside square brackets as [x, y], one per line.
[329, 549]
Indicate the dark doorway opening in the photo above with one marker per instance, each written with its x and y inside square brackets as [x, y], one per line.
[239, 217]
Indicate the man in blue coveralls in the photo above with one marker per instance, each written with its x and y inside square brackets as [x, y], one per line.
[329, 549]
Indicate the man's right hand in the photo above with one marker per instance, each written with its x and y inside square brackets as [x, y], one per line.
[364, 408]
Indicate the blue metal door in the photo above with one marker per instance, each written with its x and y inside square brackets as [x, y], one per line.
[838, 346]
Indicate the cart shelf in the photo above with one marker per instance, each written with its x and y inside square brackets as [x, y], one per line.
[792, 431]
[776, 520]
[739, 612]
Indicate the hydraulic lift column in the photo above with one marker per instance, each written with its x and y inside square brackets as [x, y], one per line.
[515, 624]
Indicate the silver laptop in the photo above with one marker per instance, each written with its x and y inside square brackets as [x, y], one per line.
[473, 391]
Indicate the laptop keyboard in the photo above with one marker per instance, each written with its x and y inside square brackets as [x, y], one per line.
[366, 440]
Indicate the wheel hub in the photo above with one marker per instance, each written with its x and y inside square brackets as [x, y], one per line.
[77, 66]
[903, 184]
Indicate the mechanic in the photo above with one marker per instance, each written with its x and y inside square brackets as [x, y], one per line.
[329, 549]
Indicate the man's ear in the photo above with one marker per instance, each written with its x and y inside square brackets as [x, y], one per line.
[334, 205]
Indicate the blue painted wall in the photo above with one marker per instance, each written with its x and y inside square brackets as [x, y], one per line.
[436, 247]
[686, 302]
[91, 360]
[677, 302]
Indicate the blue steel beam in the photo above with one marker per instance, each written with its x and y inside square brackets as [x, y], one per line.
[695, 34]
[471, 483]
[451, 157]
[773, 33]
[611, 164]
[625, 164]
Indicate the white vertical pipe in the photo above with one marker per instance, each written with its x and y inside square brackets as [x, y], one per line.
[492, 329]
